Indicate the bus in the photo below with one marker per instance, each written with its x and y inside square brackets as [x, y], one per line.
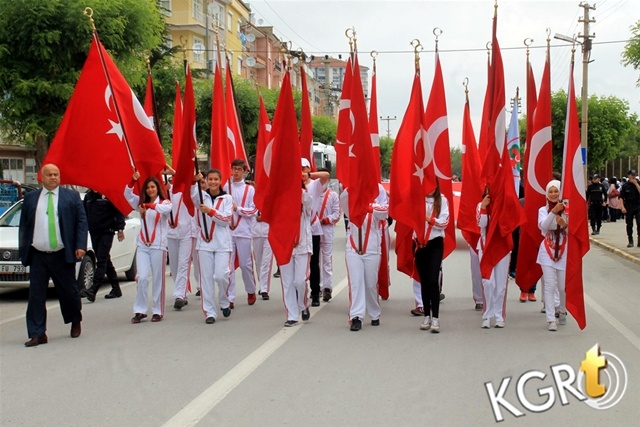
[325, 157]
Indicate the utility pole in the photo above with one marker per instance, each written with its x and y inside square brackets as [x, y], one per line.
[388, 119]
[328, 109]
[586, 54]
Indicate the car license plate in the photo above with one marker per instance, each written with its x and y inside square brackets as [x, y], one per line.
[11, 269]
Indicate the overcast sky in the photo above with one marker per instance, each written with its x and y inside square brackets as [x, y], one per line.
[388, 26]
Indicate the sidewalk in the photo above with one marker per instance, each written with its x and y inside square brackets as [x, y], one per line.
[613, 237]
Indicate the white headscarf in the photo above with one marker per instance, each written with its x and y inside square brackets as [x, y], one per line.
[553, 183]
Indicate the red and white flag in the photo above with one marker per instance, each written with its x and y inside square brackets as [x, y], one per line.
[264, 151]
[373, 124]
[573, 189]
[437, 128]
[234, 132]
[106, 127]
[306, 127]
[345, 125]
[221, 157]
[483, 134]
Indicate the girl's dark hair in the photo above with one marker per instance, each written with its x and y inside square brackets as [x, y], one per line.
[158, 186]
[210, 171]
[437, 199]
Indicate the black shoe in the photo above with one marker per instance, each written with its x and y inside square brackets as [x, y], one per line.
[276, 274]
[265, 296]
[305, 314]
[178, 304]
[441, 296]
[356, 324]
[198, 293]
[290, 323]
[115, 293]
[478, 307]
[315, 302]
[326, 295]
[210, 320]
[226, 312]
[630, 245]
[375, 322]
[90, 293]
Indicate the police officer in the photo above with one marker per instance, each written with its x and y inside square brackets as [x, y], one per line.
[630, 196]
[597, 197]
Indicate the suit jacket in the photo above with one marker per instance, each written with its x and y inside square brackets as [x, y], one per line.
[72, 220]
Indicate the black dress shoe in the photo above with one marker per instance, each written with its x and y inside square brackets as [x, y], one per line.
[305, 314]
[315, 301]
[115, 293]
[356, 324]
[75, 329]
[37, 341]
[375, 322]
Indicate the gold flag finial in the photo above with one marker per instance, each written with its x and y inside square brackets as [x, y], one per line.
[465, 83]
[374, 54]
[89, 12]
[417, 48]
[437, 32]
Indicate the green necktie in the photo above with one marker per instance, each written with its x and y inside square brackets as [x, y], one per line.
[51, 217]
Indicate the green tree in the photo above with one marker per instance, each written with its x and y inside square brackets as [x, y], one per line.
[43, 46]
[386, 147]
[324, 129]
[631, 53]
[456, 161]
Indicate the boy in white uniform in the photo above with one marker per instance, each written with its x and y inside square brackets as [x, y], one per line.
[180, 243]
[263, 255]
[328, 216]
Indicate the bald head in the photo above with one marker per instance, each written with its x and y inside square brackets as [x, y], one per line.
[50, 176]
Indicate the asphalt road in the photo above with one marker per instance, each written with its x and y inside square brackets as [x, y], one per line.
[250, 371]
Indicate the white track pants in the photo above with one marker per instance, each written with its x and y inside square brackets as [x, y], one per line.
[495, 291]
[214, 270]
[476, 276]
[554, 282]
[326, 260]
[180, 264]
[363, 290]
[417, 293]
[241, 246]
[294, 285]
[151, 265]
[264, 258]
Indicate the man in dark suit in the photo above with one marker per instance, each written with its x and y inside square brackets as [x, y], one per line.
[53, 237]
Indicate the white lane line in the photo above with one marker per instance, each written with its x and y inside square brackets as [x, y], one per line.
[199, 407]
[624, 331]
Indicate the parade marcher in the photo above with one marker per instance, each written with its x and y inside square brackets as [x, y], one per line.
[213, 244]
[194, 253]
[614, 200]
[630, 196]
[417, 296]
[151, 254]
[363, 260]
[428, 257]
[495, 287]
[328, 215]
[597, 197]
[314, 183]
[552, 220]
[104, 220]
[263, 255]
[476, 279]
[244, 212]
[293, 275]
[180, 242]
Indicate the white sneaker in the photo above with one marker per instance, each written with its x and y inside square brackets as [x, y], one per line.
[486, 323]
[435, 325]
[426, 323]
[500, 324]
[562, 319]
[553, 326]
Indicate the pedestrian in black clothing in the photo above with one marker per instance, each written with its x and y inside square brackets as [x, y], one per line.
[630, 196]
[104, 220]
[597, 197]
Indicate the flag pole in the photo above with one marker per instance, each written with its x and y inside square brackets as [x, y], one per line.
[89, 13]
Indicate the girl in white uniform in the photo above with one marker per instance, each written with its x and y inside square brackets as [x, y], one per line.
[263, 256]
[294, 274]
[180, 242]
[552, 220]
[328, 215]
[363, 261]
[213, 244]
[151, 255]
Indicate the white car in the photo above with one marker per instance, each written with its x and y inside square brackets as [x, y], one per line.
[14, 274]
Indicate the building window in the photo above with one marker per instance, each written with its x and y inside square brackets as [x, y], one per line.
[240, 65]
[13, 169]
[198, 57]
[239, 26]
[169, 41]
[230, 22]
[197, 10]
[165, 7]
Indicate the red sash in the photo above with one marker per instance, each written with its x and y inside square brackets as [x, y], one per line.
[244, 199]
[153, 235]
[366, 237]
[213, 225]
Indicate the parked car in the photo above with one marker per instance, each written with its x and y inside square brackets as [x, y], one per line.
[14, 274]
[12, 191]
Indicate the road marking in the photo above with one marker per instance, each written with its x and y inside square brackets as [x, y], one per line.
[624, 331]
[199, 407]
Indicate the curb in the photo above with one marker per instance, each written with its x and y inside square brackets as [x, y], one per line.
[615, 250]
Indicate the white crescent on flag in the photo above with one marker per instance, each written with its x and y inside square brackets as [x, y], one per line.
[435, 130]
[232, 138]
[268, 154]
[141, 115]
[421, 135]
[539, 140]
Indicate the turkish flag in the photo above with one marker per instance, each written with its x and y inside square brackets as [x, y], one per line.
[285, 180]
[404, 250]
[537, 172]
[185, 166]
[234, 131]
[344, 130]
[483, 137]
[437, 128]
[573, 189]
[363, 183]
[105, 127]
[220, 154]
[177, 128]
[373, 125]
[306, 128]
[264, 148]
[471, 186]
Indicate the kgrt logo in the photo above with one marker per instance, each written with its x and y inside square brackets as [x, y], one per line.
[585, 386]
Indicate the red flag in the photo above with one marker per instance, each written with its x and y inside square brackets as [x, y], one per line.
[234, 133]
[373, 125]
[263, 155]
[149, 103]
[185, 167]
[483, 137]
[345, 123]
[363, 183]
[438, 136]
[285, 181]
[220, 156]
[177, 128]
[306, 128]
[538, 167]
[573, 189]
[106, 127]
[471, 185]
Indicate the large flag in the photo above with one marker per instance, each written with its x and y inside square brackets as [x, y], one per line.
[437, 128]
[538, 164]
[373, 124]
[345, 123]
[306, 128]
[471, 186]
[106, 127]
[234, 132]
[284, 189]
[363, 181]
[513, 144]
[573, 190]
[264, 149]
[483, 137]
[221, 157]
[177, 128]
[185, 166]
